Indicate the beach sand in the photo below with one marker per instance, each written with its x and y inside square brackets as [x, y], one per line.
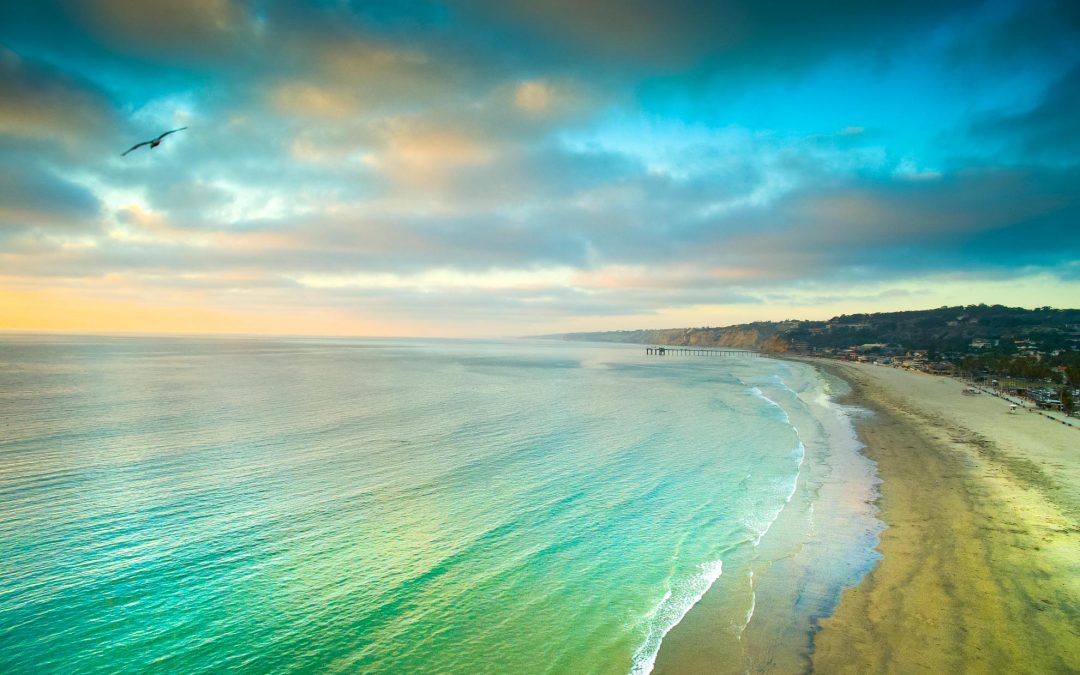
[981, 556]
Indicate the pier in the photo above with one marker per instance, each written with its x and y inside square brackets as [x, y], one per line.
[700, 351]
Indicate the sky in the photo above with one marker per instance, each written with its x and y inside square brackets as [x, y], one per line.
[474, 168]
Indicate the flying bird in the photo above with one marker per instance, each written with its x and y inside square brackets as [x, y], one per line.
[154, 143]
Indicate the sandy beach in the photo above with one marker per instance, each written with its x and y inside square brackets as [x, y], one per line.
[981, 556]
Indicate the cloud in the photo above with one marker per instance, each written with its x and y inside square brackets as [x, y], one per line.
[631, 221]
[701, 37]
[191, 201]
[1014, 34]
[538, 160]
[34, 197]
[534, 97]
[197, 31]
[418, 152]
[305, 98]
[979, 219]
[42, 104]
[1050, 130]
[339, 75]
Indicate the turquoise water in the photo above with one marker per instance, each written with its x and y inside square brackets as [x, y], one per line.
[192, 505]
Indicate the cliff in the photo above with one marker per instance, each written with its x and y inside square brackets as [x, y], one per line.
[761, 336]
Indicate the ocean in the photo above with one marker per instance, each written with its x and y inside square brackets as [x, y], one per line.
[416, 506]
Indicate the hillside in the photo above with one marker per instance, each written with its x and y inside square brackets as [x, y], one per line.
[744, 336]
[946, 329]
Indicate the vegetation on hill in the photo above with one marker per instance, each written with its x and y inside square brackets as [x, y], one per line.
[1030, 343]
[946, 329]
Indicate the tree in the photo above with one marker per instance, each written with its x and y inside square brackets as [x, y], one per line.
[1067, 402]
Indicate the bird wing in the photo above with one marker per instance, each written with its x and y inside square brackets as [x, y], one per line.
[170, 132]
[136, 146]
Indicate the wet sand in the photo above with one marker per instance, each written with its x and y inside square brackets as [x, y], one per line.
[981, 557]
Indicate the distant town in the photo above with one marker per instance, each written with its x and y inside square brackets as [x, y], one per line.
[1032, 355]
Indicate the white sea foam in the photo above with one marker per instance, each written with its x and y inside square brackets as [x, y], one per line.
[798, 453]
[757, 392]
[784, 384]
[800, 449]
[750, 612]
[670, 611]
[753, 605]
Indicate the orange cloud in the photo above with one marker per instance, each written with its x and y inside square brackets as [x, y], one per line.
[422, 155]
[377, 75]
[355, 59]
[191, 28]
[534, 97]
[305, 98]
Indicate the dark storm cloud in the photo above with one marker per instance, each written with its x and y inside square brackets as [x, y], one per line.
[1019, 32]
[979, 219]
[686, 34]
[1049, 130]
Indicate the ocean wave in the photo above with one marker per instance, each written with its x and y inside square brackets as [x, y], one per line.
[671, 609]
[761, 527]
[798, 454]
[757, 392]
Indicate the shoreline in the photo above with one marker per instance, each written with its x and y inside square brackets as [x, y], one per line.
[976, 563]
[981, 555]
[761, 615]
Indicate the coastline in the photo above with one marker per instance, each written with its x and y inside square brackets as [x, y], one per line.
[760, 614]
[976, 569]
[981, 557]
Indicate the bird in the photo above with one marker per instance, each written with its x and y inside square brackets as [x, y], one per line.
[153, 143]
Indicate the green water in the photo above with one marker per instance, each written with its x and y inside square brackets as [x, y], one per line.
[185, 505]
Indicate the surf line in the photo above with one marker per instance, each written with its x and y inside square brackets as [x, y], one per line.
[670, 611]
